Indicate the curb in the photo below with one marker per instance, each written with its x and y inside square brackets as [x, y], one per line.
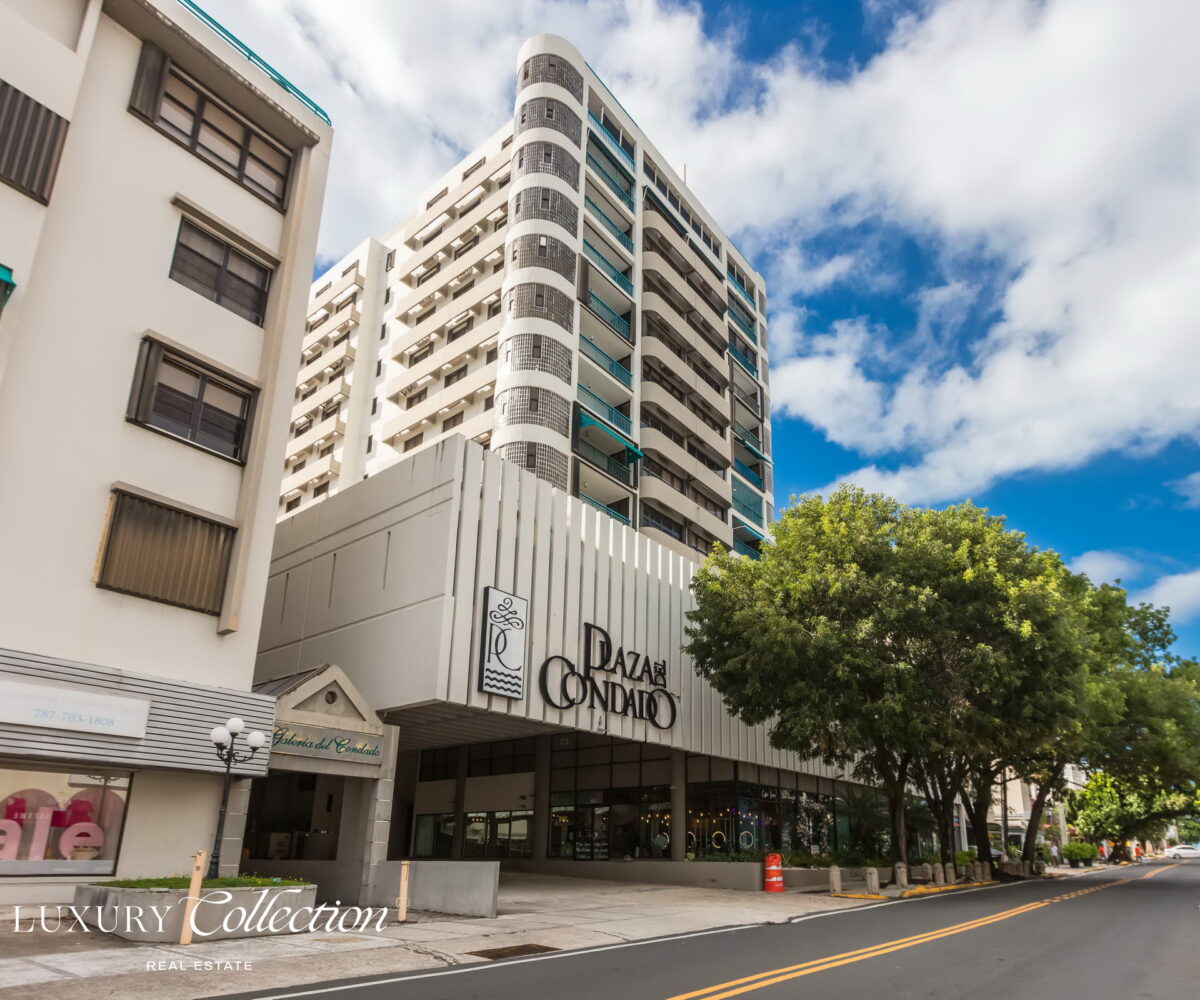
[923, 890]
[858, 895]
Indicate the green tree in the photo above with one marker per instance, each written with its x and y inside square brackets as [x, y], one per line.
[1112, 808]
[895, 641]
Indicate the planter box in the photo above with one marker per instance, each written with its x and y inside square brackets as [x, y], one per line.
[156, 915]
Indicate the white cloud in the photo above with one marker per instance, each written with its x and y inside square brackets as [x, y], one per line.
[1101, 566]
[1180, 592]
[1189, 488]
[1060, 138]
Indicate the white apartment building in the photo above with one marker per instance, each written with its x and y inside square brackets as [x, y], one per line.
[561, 297]
[161, 194]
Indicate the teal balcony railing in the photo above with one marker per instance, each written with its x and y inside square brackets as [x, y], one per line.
[747, 509]
[744, 361]
[615, 231]
[613, 466]
[741, 288]
[607, 362]
[748, 473]
[742, 323]
[613, 142]
[608, 314]
[745, 432]
[608, 267]
[616, 515]
[604, 410]
[615, 185]
[742, 549]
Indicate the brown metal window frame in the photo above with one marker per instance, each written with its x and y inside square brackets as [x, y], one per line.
[224, 533]
[151, 356]
[151, 93]
[218, 291]
[32, 138]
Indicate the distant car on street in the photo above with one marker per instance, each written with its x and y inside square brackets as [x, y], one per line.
[1183, 851]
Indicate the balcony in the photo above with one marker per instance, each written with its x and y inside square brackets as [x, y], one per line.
[321, 468]
[745, 293]
[605, 361]
[743, 323]
[746, 503]
[606, 463]
[605, 411]
[743, 549]
[610, 270]
[326, 360]
[748, 474]
[744, 361]
[615, 231]
[747, 399]
[609, 315]
[616, 515]
[611, 140]
[615, 186]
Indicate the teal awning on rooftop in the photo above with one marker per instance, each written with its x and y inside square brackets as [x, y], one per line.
[632, 450]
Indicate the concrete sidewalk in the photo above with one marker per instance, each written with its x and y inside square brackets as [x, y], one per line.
[542, 910]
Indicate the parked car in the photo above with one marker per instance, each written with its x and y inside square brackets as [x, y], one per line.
[1182, 851]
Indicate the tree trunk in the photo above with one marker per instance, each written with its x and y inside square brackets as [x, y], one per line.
[1036, 808]
[978, 803]
[899, 824]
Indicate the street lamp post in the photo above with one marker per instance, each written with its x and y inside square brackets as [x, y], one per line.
[223, 739]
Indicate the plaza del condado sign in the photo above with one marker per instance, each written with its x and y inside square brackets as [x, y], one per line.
[624, 682]
[502, 644]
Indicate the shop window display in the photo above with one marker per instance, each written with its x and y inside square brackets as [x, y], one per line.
[61, 823]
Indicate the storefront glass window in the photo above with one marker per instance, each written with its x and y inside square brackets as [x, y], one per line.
[59, 823]
[600, 824]
[435, 835]
[498, 834]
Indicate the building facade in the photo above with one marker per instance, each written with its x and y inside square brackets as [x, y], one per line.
[561, 297]
[158, 218]
[523, 653]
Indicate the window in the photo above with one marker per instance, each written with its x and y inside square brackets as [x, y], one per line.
[292, 504]
[455, 376]
[545, 201]
[420, 355]
[543, 247]
[535, 347]
[493, 309]
[539, 298]
[535, 398]
[413, 441]
[31, 144]
[452, 421]
[63, 822]
[390, 261]
[327, 450]
[370, 443]
[179, 396]
[498, 835]
[429, 274]
[379, 367]
[214, 269]
[321, 490]
[437, 765]
[415, 398]
[165, 554]
[434, 836]
[458, 330]
[531, 456]
[489, 403]
[550, 112]
[548, 154]
[387, 295]
[179, 107]
[501, 757]
[491, 355]
[374, 406]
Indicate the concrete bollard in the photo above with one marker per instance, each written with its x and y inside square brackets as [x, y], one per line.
[951, 874]
[973, 871]
[872, 875]
[901, 876]
[835, 878]
[925, 873]
[939, 875]
[985, 871]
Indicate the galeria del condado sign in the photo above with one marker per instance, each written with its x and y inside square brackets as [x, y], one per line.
[331, 744]
[619, 681]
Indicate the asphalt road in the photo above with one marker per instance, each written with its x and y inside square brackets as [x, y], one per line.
[1128, 933]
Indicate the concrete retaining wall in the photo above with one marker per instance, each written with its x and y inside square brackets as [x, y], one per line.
[465, 888]
[337, 882]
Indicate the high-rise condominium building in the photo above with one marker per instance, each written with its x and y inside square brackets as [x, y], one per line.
[160, 193]
[562, 297]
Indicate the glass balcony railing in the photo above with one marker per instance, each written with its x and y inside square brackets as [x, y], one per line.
[626, 198]
[608, 314]
[607, 362]
[745, 294]
[615, 231]
[604, 410]
[616, 515]
[613, 466]
[747, 509]
[742, 549]
[613, 142]
[742, 360]
[748, 473]
[743, 324]
[749, 398]
[745, 432]
[608, 267]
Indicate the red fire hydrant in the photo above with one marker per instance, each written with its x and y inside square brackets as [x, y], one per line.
[773, 873]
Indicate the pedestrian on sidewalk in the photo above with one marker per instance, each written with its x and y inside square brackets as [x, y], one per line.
[1054, 854]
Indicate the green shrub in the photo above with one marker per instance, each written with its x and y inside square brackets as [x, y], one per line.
[964, 858]
[1079, 850]
[183, 882]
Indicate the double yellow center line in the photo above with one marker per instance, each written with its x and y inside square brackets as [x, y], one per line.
[756, 982]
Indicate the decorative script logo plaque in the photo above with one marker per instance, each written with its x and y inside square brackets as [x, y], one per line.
[502, 648]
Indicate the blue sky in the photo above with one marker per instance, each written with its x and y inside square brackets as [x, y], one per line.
[977, 220]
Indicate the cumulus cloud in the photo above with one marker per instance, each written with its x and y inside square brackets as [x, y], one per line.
[1101, 566]
[1180, 592]
[1189, 488]
[1058, 139]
